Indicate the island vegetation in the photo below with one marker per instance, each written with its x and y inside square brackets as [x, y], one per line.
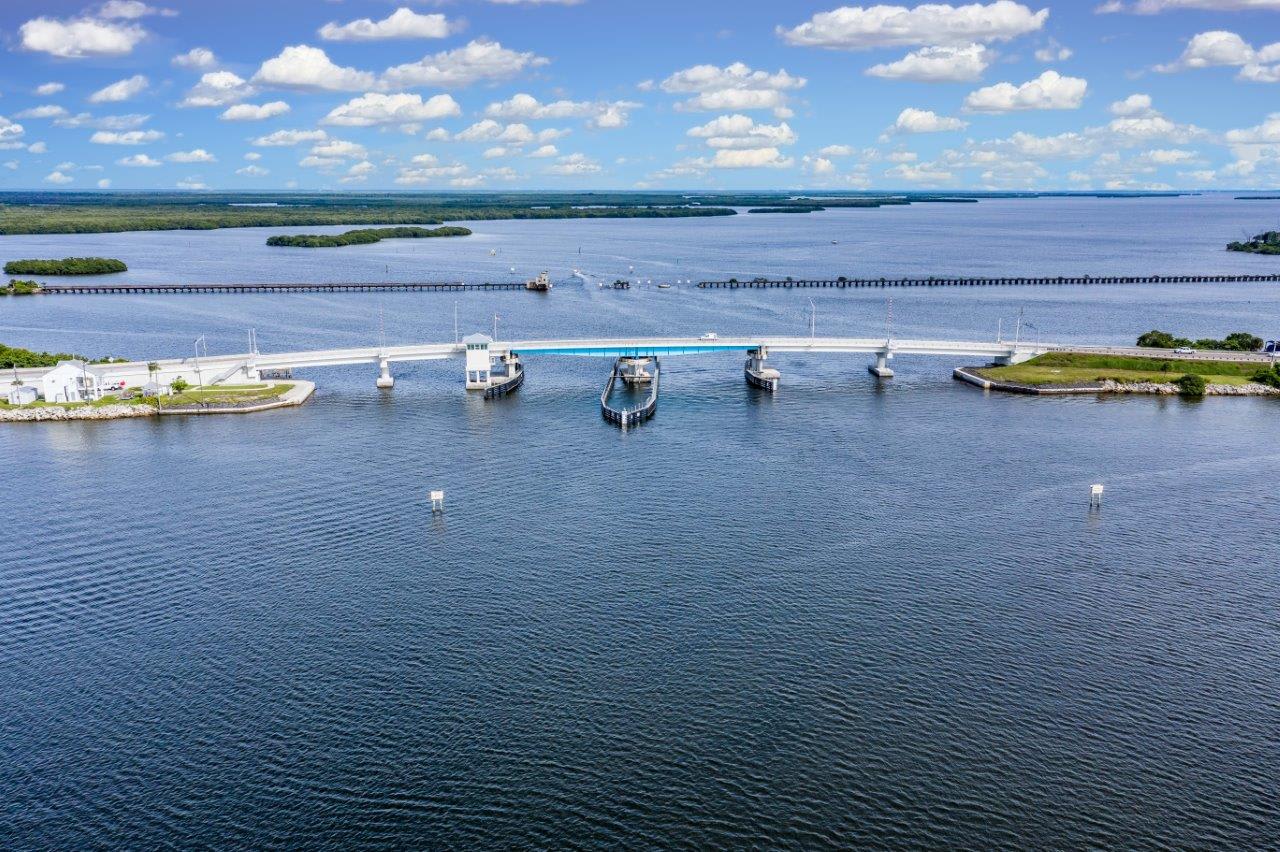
[71, 212]
[365, 236]
[795, 208]
[12, 356]
[20, 288]
[66, 266]
[1267, 242]
[1236, 341]
[1075, 369]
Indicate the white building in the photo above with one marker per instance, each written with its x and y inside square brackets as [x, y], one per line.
[22, 394]
[478, 362]
[73, 381]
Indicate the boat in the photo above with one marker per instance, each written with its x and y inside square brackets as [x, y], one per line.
[540, 284]
[664, 286]
[621, 284]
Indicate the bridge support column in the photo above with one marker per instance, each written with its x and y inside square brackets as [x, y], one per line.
[384, 374]
[881, 367]
[757, 374]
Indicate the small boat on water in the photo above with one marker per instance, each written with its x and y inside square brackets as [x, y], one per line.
[664, 286]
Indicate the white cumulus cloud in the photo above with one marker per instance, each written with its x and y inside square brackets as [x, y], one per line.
[301, 66]
[373, 109]
[403, 23]
[599, 114]
[58, 177]
[217, 88]
[477, 61]
[139, 160]
[49, 88]
[944, 64]
[197, 155]
[254, 112]
[80, 37]
[912, 120]
[1050, 90]
[288, 138]
[121, 90]
[858, 27]
[131, 137]
[742, 132]
[199, 58]
[734, 87]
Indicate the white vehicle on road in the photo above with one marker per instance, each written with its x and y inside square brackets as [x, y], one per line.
[1184, 350]
[710, 335]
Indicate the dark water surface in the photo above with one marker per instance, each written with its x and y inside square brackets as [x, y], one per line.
[851, 613]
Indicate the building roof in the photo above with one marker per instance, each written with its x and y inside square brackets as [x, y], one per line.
[473, 339]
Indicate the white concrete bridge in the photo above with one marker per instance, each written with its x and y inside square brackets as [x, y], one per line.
[233, 369]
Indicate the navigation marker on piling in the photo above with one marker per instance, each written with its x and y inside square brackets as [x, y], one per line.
[1095, 495]
[437, 502]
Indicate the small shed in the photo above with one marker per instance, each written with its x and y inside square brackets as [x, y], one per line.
[22, 394]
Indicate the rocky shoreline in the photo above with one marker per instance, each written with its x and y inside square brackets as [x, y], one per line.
[85, 412]
[973, 377]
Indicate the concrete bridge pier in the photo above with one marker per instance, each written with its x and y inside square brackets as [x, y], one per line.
[881, 367]
[757, 374]
[633, 370]
[384, 374]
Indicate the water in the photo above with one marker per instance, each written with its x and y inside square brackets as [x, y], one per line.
[850, 613]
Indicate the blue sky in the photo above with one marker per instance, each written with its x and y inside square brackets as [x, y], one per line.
[516, 94]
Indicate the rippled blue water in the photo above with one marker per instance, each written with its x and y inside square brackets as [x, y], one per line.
[851, 613]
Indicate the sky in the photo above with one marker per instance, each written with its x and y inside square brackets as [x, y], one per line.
[639, 94]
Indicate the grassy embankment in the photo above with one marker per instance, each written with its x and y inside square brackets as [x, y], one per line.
[1066, 369]
[215, 396]
[65, 266]
[365, 236]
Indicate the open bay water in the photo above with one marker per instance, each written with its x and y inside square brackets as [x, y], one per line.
[855, 612]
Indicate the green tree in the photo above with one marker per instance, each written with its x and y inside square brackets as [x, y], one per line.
[1156, 339]
[1191, 385]
[1242, 341]
[179, 385]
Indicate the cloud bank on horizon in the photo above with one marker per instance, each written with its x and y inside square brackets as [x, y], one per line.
[581, 94]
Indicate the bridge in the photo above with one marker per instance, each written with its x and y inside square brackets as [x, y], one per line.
[480, 352]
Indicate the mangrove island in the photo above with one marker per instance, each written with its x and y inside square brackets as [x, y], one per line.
[364, 236]
[66, 266]
[1267, 242]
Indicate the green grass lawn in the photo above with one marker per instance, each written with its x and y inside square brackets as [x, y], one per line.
[1066, 368]
[224, 395]
[219, 395]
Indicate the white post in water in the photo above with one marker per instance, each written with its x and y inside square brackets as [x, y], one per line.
[1095, 495]
[437, 502]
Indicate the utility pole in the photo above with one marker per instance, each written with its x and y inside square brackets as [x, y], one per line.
[1017, 332]
[999, 329]
[888, 323]
[199, 376]
[455, 321]
[495, 326]
[813, 319]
